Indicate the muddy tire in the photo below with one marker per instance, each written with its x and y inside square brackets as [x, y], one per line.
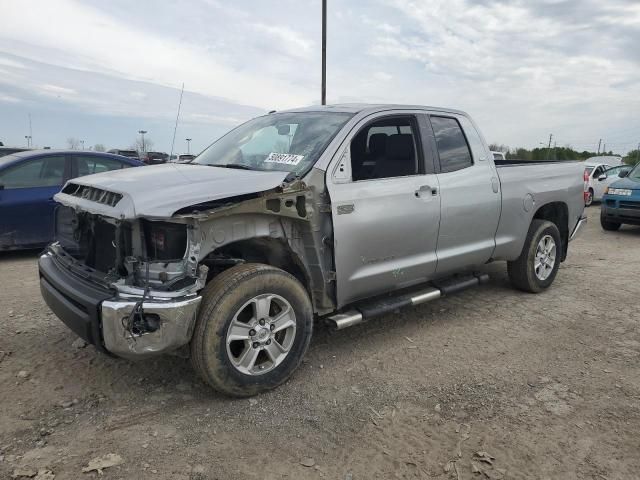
[536, 267]
[253, 329]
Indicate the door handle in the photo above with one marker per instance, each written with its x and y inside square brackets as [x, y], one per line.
[424, 189]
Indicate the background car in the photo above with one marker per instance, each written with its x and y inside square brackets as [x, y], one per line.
[155, 158]
[592, 190]
[125, 153]
[183, 158]
[28, 182]
[599, 179]
[621, 201]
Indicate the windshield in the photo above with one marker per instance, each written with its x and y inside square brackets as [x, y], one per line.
[635, 173]
[289, 142]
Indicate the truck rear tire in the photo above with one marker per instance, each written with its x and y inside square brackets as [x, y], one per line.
[609, 226]
[536, 267]
[253, 329]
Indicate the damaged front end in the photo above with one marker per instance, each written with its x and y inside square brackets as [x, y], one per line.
[125, 273]
[149, 269]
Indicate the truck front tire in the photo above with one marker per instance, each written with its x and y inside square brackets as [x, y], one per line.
[536, 267]
[253, 329]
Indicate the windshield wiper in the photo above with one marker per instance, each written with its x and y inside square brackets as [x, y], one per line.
[239, 166]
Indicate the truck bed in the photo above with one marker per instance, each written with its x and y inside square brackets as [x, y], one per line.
[527, 185]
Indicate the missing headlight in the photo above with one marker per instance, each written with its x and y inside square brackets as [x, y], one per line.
[165, 241]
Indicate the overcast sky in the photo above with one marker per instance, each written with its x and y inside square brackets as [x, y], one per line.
[100, 71]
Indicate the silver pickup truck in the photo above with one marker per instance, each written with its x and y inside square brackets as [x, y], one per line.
[335, 213]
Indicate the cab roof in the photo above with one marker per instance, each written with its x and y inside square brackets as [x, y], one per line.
[355, 108]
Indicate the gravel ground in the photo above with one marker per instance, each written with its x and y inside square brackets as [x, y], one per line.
[492, 383]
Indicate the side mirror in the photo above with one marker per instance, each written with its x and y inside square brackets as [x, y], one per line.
[623, 173]
[602, 177]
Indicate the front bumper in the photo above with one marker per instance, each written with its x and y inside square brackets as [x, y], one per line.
[621, 211]
[98, 315]
[177, 321]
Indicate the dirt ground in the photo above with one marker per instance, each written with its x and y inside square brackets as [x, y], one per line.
[491, 383]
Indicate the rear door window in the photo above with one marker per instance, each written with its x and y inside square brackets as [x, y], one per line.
[475, 142]
[40, 172]
[452, 145]
[87, 164]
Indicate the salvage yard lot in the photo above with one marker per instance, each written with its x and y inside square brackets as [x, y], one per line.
[548, 385]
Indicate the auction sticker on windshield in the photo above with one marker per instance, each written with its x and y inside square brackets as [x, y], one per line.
[285, 158]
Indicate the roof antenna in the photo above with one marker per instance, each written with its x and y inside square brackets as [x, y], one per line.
[176, 127]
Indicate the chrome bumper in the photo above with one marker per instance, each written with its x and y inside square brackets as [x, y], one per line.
[177, 318]
[581, 223]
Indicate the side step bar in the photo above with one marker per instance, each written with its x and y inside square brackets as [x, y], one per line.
[363, 312]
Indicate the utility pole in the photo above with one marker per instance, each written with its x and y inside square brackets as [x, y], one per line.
[28, 137]
[549, 146]
[142, 132]
[30, 131]
[323, 94]
[604, 149]
[188, 145]
[599, 143]
[82, 143]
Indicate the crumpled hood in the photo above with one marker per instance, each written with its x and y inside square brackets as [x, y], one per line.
[159, 191]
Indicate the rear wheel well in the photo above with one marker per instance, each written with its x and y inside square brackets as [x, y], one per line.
[557, 213]
[266, 250]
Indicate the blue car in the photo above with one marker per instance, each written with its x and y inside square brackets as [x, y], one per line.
[28, 182]
[621, 201]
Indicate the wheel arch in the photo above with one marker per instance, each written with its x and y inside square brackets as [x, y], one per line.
[558, 214]
[275, 252]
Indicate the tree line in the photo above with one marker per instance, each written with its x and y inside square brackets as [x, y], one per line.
[557, 153]
[76, 144]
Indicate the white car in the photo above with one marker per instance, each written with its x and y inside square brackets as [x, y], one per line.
[612, 160]
[597, 178]
[182, 157]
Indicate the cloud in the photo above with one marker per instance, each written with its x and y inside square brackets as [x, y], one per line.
[56, 90]
[382, 76]
[100, 42]
[7, 62]
[287, 39]
[9, 98]
[523, 69]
